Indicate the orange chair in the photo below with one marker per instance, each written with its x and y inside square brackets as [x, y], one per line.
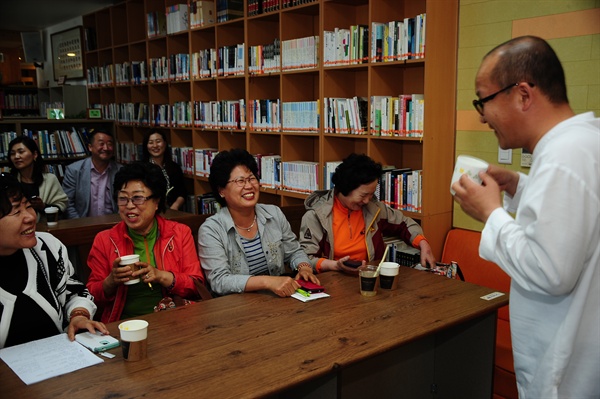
[462, 246]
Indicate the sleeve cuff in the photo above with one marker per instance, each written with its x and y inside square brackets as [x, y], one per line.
[418, 239]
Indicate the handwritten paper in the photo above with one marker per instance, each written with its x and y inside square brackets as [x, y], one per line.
[39, 360]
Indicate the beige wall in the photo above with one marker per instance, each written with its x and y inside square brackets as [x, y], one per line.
[572, 27]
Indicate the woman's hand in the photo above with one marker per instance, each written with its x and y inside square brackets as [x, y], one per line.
[83, 323]
[347, 269]
[282, 286]
[118, 276]
[37, 204]
[150, 274]
[306, 273]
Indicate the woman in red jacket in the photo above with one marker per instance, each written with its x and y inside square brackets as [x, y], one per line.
[168, 259]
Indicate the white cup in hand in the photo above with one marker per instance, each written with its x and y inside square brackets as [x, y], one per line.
[470, 166]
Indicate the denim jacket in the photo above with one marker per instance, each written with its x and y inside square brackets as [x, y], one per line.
[222, 255]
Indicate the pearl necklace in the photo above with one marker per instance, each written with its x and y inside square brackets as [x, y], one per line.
[246, 228]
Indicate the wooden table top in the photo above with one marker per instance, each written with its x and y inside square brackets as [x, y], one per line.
[257, 344]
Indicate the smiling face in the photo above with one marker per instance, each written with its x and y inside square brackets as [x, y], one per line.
[18, 228]
[156, 145]
[244, 197]
[22, 157]
[101, 148]
[139, 218]
[358, 197]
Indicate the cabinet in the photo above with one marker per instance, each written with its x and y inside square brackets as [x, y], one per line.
[46, 132]
[72, 98]
[126, 42]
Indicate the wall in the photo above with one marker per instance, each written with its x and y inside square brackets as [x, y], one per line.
[45, 76]
[571, 27]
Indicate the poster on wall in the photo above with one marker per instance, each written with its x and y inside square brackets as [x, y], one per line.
[67, 54]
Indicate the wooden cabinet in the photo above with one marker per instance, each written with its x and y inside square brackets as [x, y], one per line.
[122, 39]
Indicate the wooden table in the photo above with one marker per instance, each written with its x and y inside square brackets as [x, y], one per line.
[431, 335]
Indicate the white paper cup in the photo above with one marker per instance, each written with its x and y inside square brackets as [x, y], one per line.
[51, 216]
[470, 166]
[388, 275]
[129, 260]
[134, 339]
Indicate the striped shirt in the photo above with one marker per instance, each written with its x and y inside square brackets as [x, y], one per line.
[257, 262]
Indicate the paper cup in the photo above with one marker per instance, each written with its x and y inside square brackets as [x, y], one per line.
[388, 275]
[134, 339]
[470, 166]
[367, 277]
[51, 216]
[129, 260]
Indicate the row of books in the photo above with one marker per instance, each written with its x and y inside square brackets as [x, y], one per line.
[294, 3]
[202, 13]
[345, 115]
[346, 46]
[178, 114]
[5, 139]
[204, 64]
[398, 40]
[400, 116]
[300, 116]
[301, 53]
[264, 58]
[257, 7]
[328, 171]
[203, 159]
[177, 18]
[264, 115]
[59, 143]
[230, 60]
[204, 204]
[18, 100]
[228, 10]
[128, 73]
[400, 188]
[225, 114]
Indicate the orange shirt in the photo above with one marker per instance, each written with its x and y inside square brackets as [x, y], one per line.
[348, 233]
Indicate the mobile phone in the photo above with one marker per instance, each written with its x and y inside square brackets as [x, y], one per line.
[97, 342]
[309, 286]
[353, 263]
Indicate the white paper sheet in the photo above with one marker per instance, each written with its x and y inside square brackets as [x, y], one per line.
[312, 297]
[46, 358]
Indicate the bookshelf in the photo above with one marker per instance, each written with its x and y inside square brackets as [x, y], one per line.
[73, 98]
[57, 159]
[286, 23]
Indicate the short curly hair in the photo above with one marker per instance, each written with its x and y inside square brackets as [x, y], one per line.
[353, 172]
[223, 164]
[149, 174]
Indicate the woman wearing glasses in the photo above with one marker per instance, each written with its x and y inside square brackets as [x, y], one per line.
[39, 295]
[244, 246]
[168, 261]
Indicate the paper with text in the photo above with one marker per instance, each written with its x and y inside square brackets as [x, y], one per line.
[39, 360]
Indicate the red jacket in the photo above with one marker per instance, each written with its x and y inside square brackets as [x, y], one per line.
[174, 251]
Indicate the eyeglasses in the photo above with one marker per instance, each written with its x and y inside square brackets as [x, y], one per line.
[135, 200]
[478, 104]
[241, 182]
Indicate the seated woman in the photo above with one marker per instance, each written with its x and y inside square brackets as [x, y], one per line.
[245, 245]
[39, 295]
[42, 189]
[349, 223]
[156, 150]
[168, 260]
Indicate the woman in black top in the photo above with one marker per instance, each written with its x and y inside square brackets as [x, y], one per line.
[156, 150]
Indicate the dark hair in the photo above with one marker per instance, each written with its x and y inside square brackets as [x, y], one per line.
[149, 174]
[353, 172]
[223, 164]
[146, 153]
[94, 132]
[530, 59]
[38, 163]
[10, 191]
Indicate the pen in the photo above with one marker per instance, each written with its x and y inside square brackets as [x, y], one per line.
[302, 292]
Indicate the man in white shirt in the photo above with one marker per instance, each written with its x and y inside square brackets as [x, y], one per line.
[551, 249]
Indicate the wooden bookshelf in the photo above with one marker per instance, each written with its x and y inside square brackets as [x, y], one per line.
[121, 37]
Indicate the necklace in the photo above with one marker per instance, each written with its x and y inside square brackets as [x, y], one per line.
[246, 228]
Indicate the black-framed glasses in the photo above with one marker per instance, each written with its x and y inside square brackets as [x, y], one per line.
[135, 200]
[241, 182]
[478, 104]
